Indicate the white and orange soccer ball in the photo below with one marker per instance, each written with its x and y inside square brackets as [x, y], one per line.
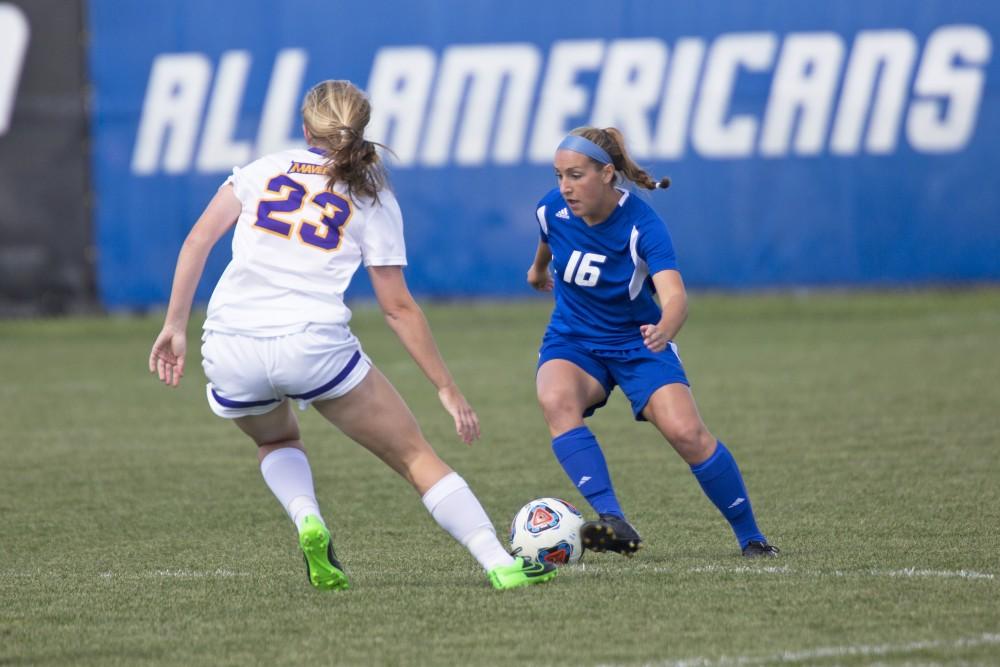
[547, 530]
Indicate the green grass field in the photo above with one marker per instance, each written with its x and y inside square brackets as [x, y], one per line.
[135, 528]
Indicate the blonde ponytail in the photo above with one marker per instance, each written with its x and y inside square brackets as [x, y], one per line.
[335, 114]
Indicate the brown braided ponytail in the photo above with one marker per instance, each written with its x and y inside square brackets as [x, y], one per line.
[612, 141]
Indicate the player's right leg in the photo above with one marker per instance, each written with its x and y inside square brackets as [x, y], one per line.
[395, 437]
[566, 391]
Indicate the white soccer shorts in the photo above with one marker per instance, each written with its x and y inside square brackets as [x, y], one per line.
[252, 376]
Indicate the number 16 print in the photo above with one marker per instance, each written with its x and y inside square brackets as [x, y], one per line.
[583, 268]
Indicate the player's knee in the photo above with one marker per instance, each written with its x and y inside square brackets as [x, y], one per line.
[558, 406]
[271, 429]
[688, 436]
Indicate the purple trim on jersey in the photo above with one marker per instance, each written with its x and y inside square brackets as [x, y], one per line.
[317, 151]
[229, 403]
[332, 383]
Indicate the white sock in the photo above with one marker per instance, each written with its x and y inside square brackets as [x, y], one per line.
[289, 477]
[457, 510]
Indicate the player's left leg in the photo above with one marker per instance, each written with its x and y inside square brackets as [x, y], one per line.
[394, 436]
[568, 389]
[672, 409]
[283, 462]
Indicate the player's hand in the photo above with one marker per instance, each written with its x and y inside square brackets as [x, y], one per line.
[541, 280]
[167, 356]
[466, 421]
[653, 338]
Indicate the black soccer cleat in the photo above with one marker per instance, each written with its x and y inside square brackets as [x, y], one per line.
[610, 533]
[760, 549]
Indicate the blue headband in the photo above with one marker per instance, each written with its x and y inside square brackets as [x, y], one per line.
[579, 144]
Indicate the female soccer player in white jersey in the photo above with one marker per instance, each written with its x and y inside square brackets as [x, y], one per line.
[276, 330]
[609, 253]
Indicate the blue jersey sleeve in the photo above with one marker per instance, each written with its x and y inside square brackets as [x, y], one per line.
[543, 225]
[655, 245]
[542, 210]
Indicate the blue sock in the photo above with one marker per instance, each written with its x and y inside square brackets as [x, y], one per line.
[721, 481]
[581, 457]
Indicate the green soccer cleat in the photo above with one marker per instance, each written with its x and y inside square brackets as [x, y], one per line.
[324, 570]
[521, 572]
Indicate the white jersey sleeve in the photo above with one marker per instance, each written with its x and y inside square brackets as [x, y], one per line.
[382, 243]
[239, 184]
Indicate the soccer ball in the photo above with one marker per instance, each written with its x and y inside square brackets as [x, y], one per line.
[547, 530]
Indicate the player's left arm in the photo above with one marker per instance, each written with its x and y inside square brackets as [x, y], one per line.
[405, 317]
[673, 302]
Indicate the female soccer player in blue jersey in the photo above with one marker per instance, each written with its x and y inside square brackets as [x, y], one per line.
[609, 253]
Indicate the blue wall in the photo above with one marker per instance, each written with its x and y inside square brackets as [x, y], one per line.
[838, 144]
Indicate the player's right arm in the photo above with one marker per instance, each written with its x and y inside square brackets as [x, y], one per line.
[166, 359]
[538, 273]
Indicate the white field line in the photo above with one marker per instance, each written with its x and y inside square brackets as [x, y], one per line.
[835, 652]
[584, 569]
[905, 572]
[588, 569]
[176, 573]
[219, 573]
[913, 572]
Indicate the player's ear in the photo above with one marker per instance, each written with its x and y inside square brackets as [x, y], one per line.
[608, 174]
[305, 133]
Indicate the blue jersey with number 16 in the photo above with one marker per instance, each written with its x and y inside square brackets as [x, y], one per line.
[603, 290]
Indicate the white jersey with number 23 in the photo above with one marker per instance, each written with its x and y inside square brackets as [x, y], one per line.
[296, 246]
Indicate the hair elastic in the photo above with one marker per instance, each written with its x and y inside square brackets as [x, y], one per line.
[578, 144]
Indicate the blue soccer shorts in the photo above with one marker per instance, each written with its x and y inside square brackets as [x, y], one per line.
[637, 370]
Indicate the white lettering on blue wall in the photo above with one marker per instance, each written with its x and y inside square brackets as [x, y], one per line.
[509, 104]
